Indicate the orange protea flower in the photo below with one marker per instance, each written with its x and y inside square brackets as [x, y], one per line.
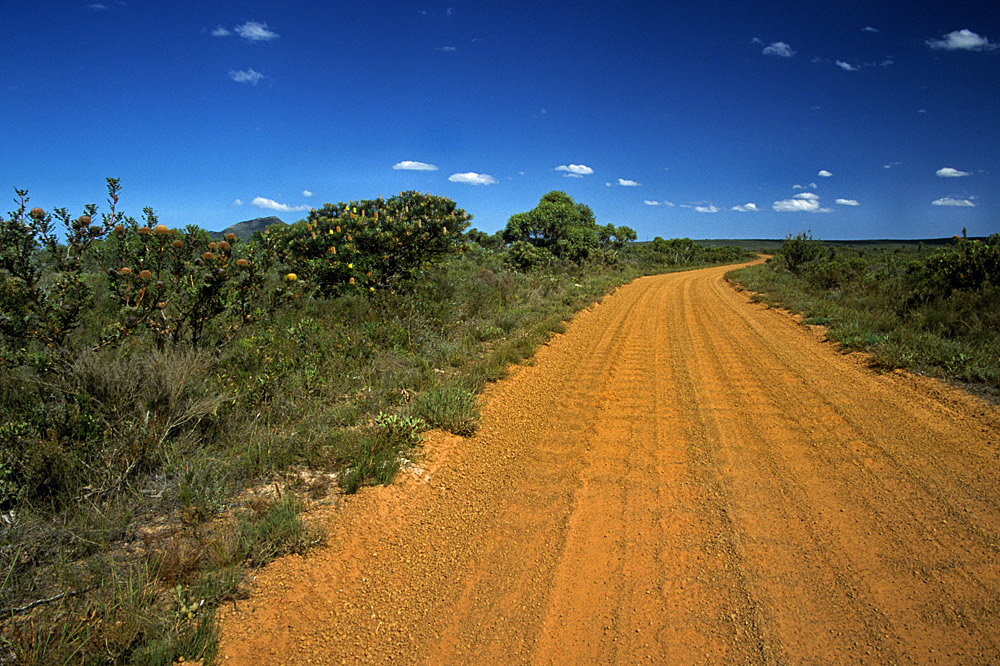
[177, 243]
[161, 230]
[291, 277]
[208, 256]
[36, 213]
[144, 230]
[145, 274]
[242, 263]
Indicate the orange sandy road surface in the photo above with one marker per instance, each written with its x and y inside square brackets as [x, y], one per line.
[684, 477]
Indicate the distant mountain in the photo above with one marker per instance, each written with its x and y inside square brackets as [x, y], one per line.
[244, 230]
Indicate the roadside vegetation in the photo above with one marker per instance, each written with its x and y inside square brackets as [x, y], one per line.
[170, 402]
[932, 311]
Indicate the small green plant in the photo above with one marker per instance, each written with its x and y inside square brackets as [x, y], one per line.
[450, 408]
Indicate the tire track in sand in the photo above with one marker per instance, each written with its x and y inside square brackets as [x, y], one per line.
[684, 477]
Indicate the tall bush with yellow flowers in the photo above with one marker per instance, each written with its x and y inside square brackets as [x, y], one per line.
[371, 244]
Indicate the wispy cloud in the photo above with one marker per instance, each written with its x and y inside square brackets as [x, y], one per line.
[237, 202]
[410, 165]
[473, 178]
[575, 170]
[847, 67]
[668, 204]
[889, 165]
[847, 202]
[802, 187]
[625, 182]
[747, 208]
[868, 28]
[709, 208]
[824, 174]
[307, 193]
[256, 32]
[271, 204]
[249, 76]
[220, 32]
[780, 49]
[948, 201]
[962, 40]
[447, 49]
[97, 7]
[948, 172]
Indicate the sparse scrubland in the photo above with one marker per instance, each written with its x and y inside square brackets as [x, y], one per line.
[933, 311]
[169, 402]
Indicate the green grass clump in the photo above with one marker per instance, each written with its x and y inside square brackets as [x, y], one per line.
[450, 408]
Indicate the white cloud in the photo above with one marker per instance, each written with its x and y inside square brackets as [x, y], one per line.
[575, 170]
[804, 202]
[410, 165]
[847, 202]
[780, 49]
[846, 66]
[255, 32]
[97, 7]
[802, 187]
[868, 28]
[447, 49]
[707, 209]
[824, 173]
[948, 172]
[271, 204]
[472, 178]
[948, 201]
[747, 208]
[625, 182]
[889, 165]
[962, 40]
[307, 193]
[220, 32]
[651, 203]
[249, 76]
[606, 184]
[237, 202]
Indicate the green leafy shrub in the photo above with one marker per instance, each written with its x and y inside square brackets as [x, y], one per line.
[798, 250]
[368, 245]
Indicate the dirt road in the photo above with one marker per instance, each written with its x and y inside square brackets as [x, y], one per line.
[684, 477]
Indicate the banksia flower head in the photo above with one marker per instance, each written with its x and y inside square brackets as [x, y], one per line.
[119, 229]
[224, 246]
[125, 270]
[161, 230]
[177, 243]
[144, 230]
[242, 263]
[36, 213]
[351, 281]
[213, 246]
[230, 237]
[145, 274]
[291, 277]
[338, 228]
[333, 250]
[84, 220]
[208, 256]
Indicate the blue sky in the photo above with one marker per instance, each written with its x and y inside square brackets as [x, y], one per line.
[702, 119]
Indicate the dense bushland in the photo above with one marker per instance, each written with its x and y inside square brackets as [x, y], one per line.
[168, 401]
[932, 311]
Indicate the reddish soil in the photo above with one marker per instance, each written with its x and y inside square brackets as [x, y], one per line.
[684, 477]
